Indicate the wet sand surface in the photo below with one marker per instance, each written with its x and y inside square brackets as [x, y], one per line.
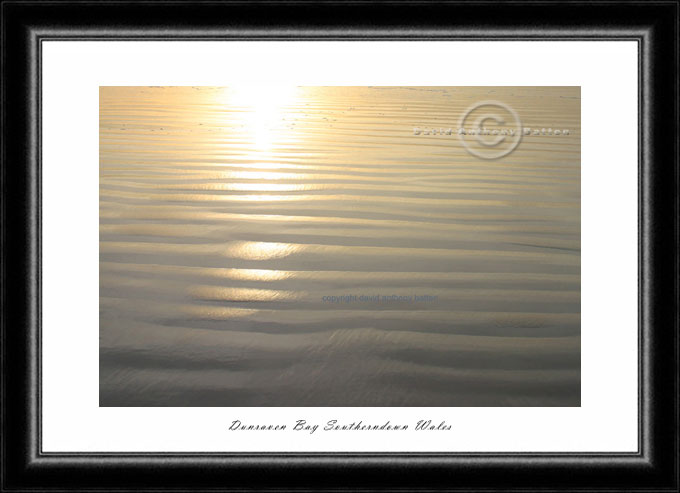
[240, 229]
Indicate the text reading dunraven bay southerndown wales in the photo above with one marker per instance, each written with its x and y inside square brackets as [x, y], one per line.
[335, 425]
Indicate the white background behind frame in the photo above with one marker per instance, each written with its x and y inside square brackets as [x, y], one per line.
[607, 72]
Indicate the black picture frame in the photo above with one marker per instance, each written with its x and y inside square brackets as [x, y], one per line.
[654, 25]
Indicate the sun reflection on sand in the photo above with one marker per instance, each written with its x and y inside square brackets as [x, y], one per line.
[221, 293]
[262, 112]
[261, 250]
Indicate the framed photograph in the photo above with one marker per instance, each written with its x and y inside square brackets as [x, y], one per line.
[340, 246]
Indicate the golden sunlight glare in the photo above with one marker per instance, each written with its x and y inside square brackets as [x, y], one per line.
[262, 110]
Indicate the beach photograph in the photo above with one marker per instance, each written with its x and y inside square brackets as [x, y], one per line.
[339, 246]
